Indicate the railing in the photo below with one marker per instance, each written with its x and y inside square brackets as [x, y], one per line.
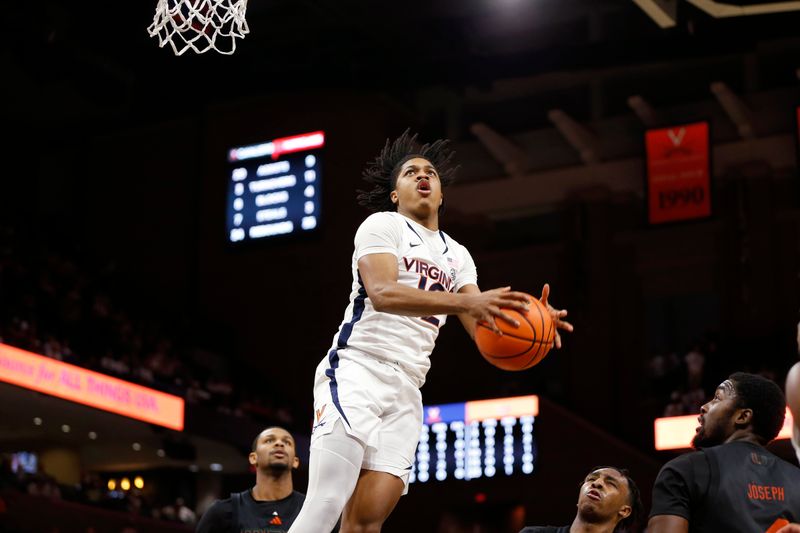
[23, 513]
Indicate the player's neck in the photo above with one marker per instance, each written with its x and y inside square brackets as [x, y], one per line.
[271, 488]
[581, 526]
[430, 220]
[744, 436]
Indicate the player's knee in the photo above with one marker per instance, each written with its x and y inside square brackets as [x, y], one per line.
[328, 504]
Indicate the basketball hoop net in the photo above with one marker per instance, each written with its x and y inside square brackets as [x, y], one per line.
[199, 25]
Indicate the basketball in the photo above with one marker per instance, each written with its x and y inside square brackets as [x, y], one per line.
[522, 347]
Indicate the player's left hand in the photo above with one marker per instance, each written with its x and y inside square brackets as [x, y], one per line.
[557, 315]
[791, 528]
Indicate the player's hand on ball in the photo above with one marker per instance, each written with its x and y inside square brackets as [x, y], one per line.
[486, 306]
[557, 314]
[791, 528]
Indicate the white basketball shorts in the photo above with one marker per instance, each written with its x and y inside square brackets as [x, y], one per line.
[377, 403]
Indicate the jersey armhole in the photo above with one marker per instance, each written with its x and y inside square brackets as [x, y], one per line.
[236, 500]
[467, 284]
[710, 494]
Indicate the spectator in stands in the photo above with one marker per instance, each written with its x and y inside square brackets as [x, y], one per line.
[176, 512]
[272, 504]
[608, 501]
[42, 484]
[52, 304]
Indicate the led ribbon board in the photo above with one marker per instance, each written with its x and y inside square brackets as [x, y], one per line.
[678, 173]
[76, 384]
[677, 432]
[476, 439]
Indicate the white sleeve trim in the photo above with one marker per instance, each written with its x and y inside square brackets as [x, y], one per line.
[376, 250]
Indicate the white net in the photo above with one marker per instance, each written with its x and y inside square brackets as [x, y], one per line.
[199, 25]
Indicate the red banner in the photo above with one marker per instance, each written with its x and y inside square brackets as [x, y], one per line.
[678, 173]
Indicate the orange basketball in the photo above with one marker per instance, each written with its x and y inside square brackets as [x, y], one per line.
[522, 347]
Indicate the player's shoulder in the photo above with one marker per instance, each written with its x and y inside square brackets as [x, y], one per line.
[788, 467]
[687, 462]
[382, 217]
[221, 505]
[380, 223]
[384, 225]
[217, 517]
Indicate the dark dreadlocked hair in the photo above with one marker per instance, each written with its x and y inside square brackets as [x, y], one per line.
[382, 172]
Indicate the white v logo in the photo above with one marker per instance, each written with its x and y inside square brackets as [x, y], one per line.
[676, 139]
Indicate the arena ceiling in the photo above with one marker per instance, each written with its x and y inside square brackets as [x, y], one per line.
[95, 59]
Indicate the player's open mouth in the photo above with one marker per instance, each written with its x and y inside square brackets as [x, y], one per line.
[424, 188]
[594, 495]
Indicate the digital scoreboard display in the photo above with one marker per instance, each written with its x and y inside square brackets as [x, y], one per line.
[274, 187]
[479, 439]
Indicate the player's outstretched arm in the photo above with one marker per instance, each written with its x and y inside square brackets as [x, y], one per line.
[467, 320]
[379, 274]
[558, 315]
[793, 393]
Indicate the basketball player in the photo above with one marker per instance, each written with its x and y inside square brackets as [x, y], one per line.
[608, 501]
[732, 483]
[793, 398]
[408, 275]
[272, 505]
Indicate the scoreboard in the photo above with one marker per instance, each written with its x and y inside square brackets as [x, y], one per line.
[478, 439]
[274, 188]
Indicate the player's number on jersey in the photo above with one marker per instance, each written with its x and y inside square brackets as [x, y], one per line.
[423, 284]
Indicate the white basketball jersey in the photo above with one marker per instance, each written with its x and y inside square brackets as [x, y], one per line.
[428, 260]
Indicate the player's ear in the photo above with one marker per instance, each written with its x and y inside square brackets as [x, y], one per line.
[743, 417]
[624, 512]
[296, 463]
[252, 458]
[393, 197]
